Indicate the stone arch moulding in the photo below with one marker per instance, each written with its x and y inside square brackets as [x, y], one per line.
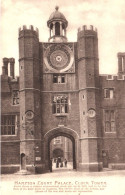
[57, 130]
[66, 132]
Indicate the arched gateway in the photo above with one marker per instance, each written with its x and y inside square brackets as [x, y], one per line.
[60, 95]
[66, 132]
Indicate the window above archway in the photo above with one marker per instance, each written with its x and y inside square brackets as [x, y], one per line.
[60, 104]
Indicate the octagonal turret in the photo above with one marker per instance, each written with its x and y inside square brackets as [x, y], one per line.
[57, 24]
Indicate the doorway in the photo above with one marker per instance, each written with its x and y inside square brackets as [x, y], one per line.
[23, 161]
[105, 158]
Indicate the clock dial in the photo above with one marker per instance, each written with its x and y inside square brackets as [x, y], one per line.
[58, 58]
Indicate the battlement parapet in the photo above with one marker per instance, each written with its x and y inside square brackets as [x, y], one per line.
[86, 28]
[112, 77]
[121, 77]
[30, 28]
[87, 31]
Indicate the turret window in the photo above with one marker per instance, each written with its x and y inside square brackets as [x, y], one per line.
[60, 104]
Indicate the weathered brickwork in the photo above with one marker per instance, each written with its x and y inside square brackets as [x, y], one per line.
[74, 107]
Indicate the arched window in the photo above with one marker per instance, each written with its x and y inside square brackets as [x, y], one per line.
[57, 28]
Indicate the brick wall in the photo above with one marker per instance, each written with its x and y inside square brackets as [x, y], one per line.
[10, 153]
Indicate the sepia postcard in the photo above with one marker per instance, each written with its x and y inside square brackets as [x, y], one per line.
[62, 97]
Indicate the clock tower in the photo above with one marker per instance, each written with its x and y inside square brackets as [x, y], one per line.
[59, 94]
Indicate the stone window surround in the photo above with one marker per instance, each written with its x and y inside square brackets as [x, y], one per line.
[60, 104]
[109, 120]
[108, 92]
[9, 125]
[59, 78]
[15, 97]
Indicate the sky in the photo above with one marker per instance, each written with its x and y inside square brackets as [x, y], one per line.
[108, 16]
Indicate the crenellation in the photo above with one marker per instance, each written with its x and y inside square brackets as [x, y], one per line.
[30, 28]
[86, 28]
[110, 77]
[120, 77]
[24, 27]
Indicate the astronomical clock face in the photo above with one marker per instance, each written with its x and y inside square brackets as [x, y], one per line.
[58, 58]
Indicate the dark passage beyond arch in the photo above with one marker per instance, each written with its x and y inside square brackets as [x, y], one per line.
[58, 152]
[73, 146]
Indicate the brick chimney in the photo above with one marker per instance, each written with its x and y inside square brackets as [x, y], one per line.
[5, 66]
[12, 62]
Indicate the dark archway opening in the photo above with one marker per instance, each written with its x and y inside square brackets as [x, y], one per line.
[23, 161]
[58, 153]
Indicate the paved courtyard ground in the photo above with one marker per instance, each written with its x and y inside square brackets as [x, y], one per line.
[65, 180]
